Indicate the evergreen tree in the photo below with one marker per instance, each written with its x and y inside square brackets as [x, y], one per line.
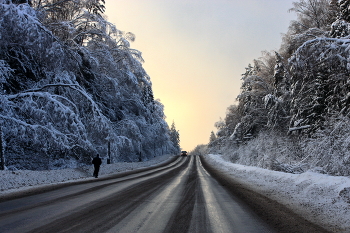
[257, 83]
[344, 6]
[320, 83]
[175, 137]
[212, 137]
[232, 118]
[340, 27]
[277, 103]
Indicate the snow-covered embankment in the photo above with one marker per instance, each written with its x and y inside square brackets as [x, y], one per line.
[12, 181]
[321, 199]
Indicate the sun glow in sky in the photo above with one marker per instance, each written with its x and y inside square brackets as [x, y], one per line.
[196, 50]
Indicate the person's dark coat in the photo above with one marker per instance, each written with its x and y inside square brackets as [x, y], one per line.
[97, 163]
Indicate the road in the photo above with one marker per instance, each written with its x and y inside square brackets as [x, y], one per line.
[178, 197]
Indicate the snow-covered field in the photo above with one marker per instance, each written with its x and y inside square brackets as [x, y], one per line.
[13, 181]
[319, 198]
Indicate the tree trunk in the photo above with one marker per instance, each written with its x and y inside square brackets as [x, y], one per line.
[109, 160]
[2, 150]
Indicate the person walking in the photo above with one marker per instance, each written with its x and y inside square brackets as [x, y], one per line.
[97, 163]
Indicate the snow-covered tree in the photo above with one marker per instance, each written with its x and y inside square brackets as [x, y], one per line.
[70, 85]
[314, 20]
[257, 83]
[320, 83]
[344, 7]
[341, 26]
[232, 118]
[312, 14]
[293, 110]
[212, 137]
[175, 137]
[278, 102]
[221, 128]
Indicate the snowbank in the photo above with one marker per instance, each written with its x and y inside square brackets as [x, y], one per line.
[11, 181]
[319, 198]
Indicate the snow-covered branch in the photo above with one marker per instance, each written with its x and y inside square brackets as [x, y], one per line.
[299, 128]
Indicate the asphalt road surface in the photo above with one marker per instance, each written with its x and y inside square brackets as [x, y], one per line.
[178, 197]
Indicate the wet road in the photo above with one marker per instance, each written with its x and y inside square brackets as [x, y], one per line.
[179, 197]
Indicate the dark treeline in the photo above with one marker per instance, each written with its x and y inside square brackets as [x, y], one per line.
[71, 86]
[293, 110]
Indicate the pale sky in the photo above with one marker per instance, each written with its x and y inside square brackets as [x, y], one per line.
[196, 50]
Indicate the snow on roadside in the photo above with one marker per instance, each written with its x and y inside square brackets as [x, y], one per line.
[12, 181]
[319, 198]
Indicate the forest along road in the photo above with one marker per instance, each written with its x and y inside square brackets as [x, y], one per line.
[179, 197]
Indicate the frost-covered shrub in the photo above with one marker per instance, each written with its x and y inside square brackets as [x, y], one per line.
[326, 152]
[268, 150]
[329, 150]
